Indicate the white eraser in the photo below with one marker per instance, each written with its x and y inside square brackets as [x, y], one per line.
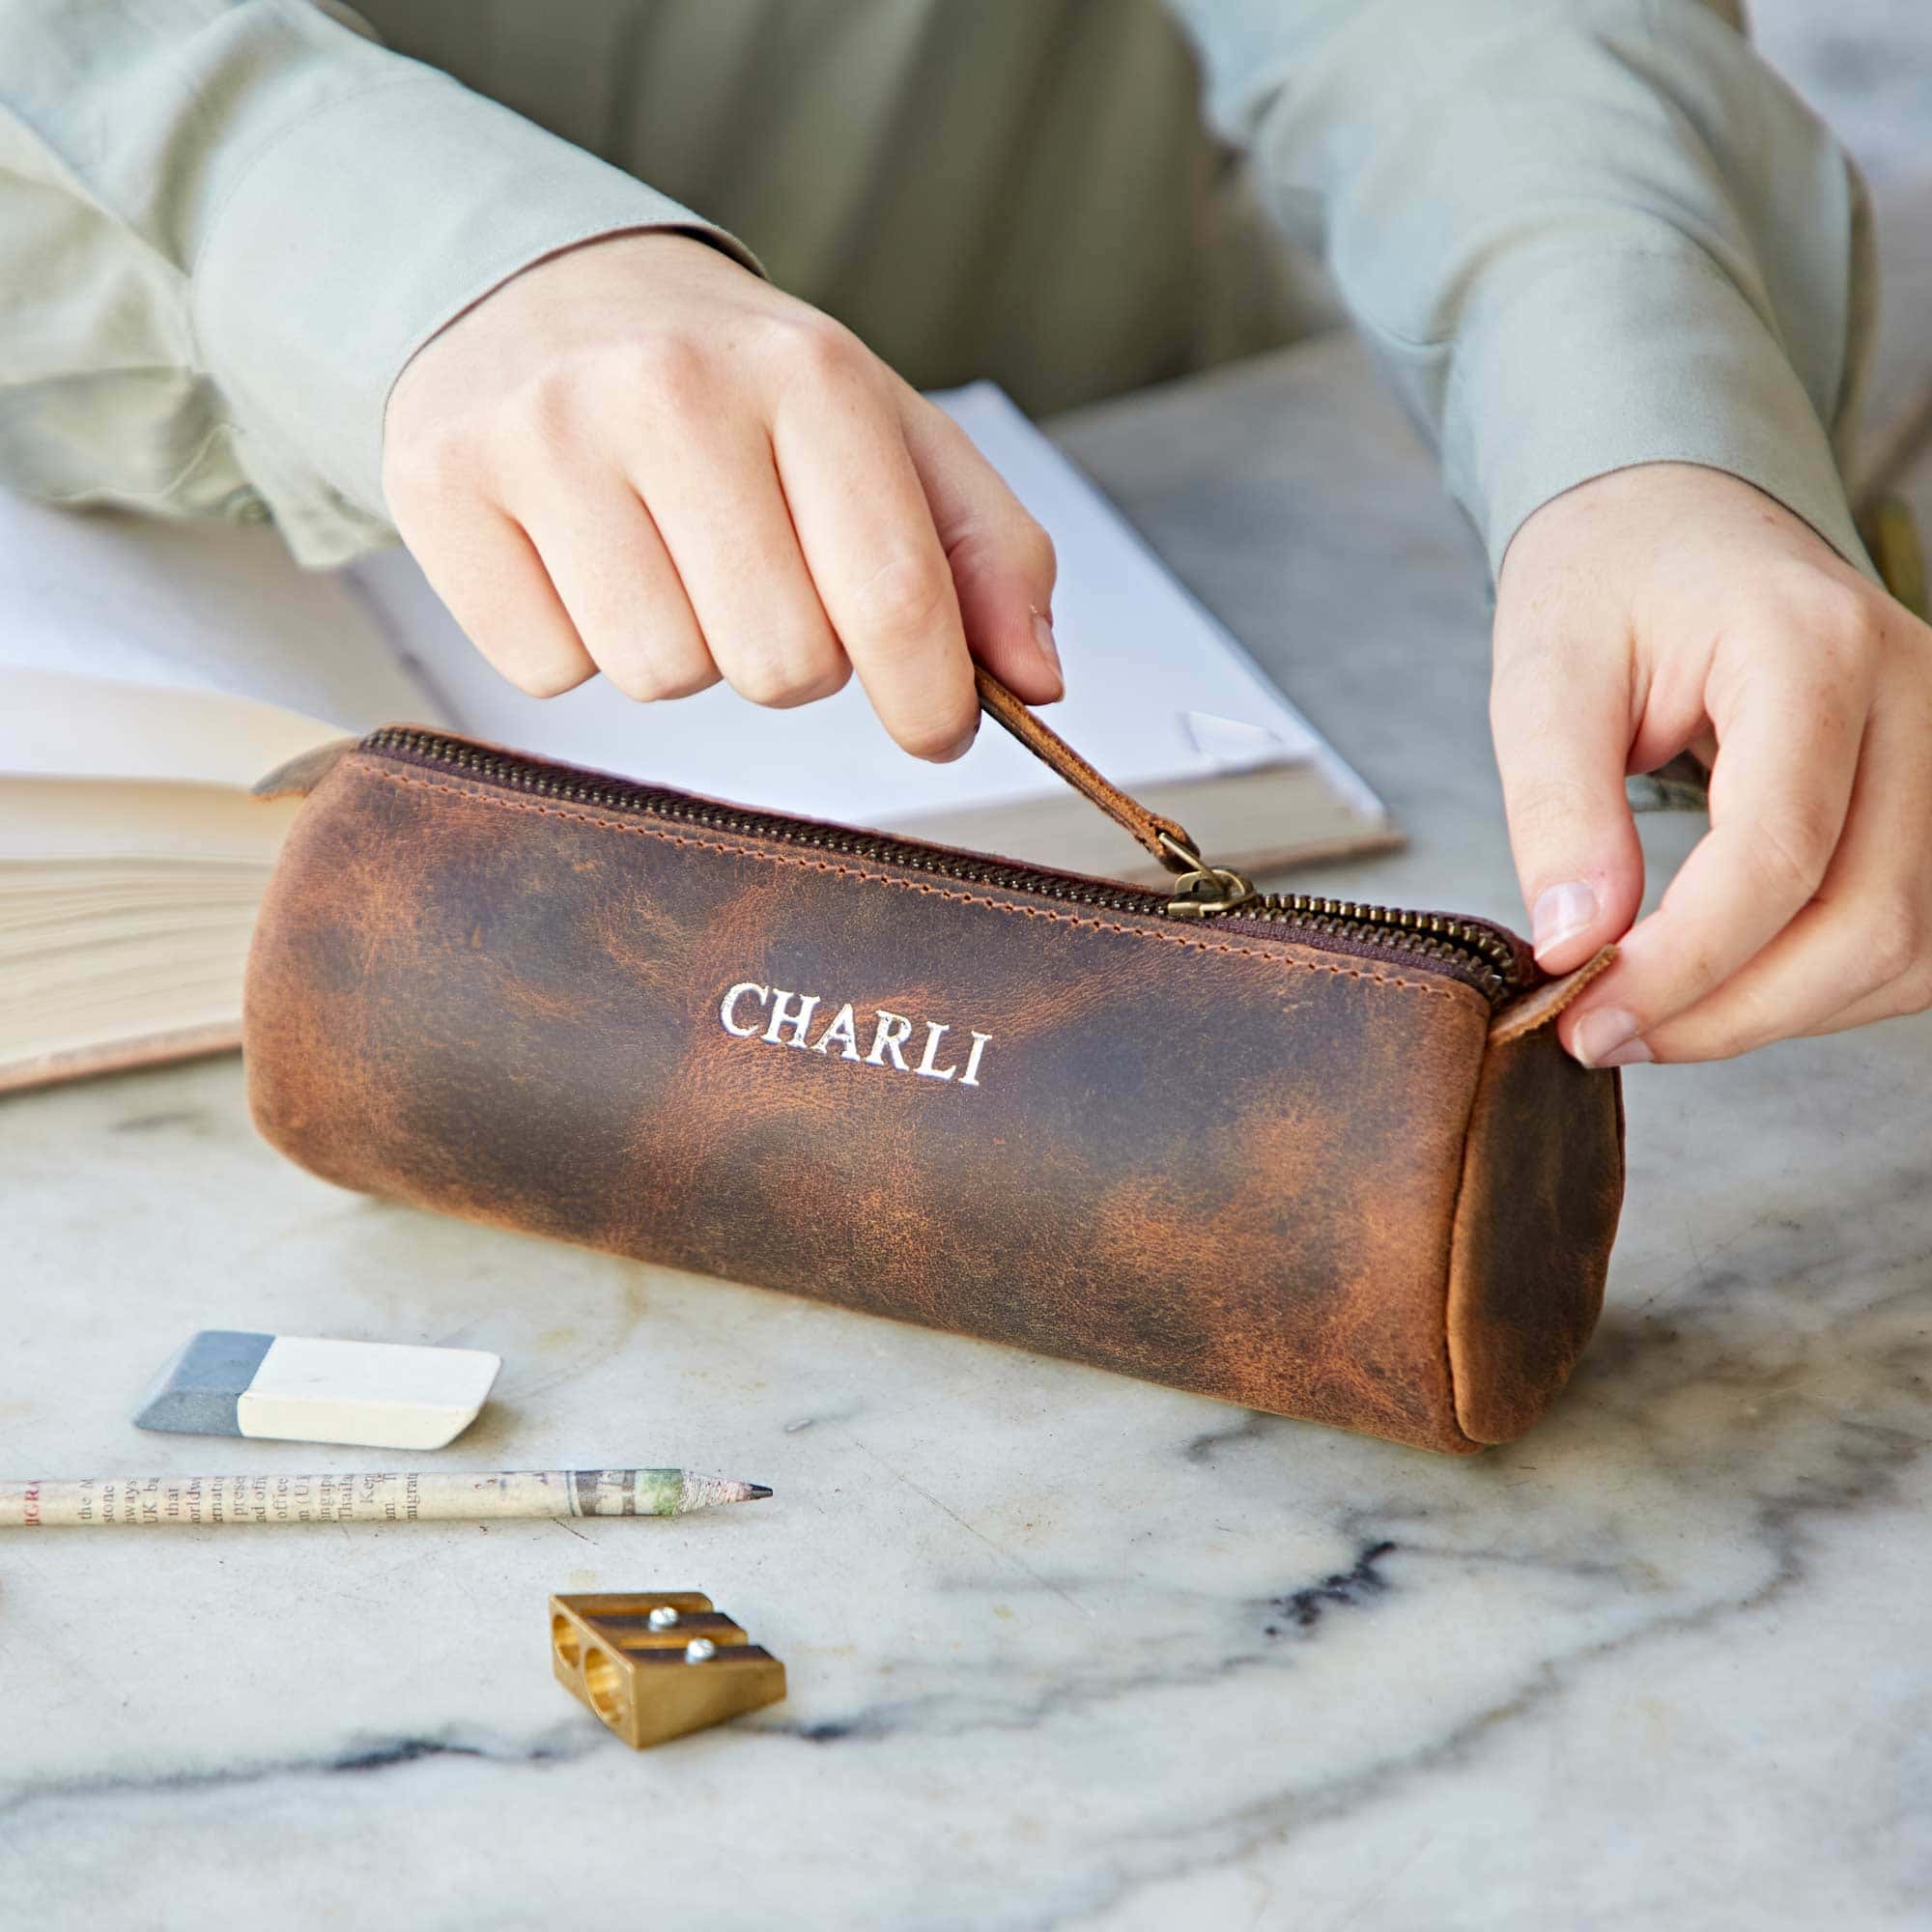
[292, 1388]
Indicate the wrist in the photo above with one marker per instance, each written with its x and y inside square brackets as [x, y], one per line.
[1581, 364]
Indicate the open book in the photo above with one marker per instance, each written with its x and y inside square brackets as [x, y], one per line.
[150, 671]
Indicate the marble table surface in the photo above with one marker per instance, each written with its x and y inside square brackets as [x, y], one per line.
[1066, 1652]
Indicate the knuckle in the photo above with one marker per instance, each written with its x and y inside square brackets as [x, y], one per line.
[670, 370]
[428, 466]
[1520, 724]
[1730, 1042]
[549, 406]
[1025, 548]
[1528, 660]
[1038, 556]
[645, 681]
[784, 679]
[1911, 992]
[1548, 803]
[808, 689]
[904, 600]
[545, 676]
[1831, 631]
[1005, 546]
[932, 735]
[806, 343]
[1895, 936]
[1794, 846]
[1718, 1025]
[762, 683]
[1832, 612]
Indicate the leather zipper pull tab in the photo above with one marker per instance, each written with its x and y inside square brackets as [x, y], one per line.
[1539, 1008]
[1200, 888]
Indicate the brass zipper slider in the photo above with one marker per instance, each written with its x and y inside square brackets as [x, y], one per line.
[1198, 887]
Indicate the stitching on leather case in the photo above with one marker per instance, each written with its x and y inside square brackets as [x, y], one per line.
[798, 862]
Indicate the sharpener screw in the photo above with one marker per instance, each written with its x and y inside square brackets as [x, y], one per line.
[662, 1617]
[698, 1649]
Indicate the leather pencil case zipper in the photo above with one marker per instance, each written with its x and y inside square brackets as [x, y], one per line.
[1477, 953]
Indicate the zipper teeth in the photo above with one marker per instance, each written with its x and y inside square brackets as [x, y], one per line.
[1439, 935]
[1479, 953]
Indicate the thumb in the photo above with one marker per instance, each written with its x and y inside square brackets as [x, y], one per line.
[1003, 564]
[1560, 715]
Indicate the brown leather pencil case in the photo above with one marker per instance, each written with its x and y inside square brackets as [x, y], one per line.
[1322, 1160]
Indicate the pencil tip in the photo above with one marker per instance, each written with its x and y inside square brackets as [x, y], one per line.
[757, 1489]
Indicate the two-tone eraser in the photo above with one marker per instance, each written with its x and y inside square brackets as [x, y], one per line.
[293, 1388]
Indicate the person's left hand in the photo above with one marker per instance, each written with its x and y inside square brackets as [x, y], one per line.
[1667, 608]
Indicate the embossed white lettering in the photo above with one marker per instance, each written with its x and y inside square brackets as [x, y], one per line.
[788, 1019]
[807, 1005]
[925, 1068]
[844, 1029]
[970, 1077]
[731, 1000]
[892, 1034]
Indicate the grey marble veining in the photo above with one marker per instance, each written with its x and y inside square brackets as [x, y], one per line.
[1066, 1652]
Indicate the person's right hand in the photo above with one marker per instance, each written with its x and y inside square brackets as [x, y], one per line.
[638, 458]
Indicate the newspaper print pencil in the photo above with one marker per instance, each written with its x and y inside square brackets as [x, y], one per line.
[376, 1496]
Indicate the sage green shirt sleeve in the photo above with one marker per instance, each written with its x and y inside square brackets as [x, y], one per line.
[224, 228]
[1580, 234]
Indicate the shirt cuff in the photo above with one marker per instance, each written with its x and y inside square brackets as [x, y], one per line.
[1573, 366]
[364, 228]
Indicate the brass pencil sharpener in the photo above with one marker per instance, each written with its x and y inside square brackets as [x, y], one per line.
[659, 1664]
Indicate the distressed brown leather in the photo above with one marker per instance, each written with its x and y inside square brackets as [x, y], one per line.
[1542, 1177]
[297, 776]
[1201, 1155]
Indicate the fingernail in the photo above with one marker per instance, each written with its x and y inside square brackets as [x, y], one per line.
[1560, 912]
[1042, 636]
[958, 750]
[1608, 1038]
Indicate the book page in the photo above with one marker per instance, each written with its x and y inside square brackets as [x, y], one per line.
[57, 725]
[127, 604]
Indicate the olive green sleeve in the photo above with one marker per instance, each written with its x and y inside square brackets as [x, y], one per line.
[1581, 235]
[224, 228]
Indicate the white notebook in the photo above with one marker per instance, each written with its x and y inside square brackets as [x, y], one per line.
[150, 671]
